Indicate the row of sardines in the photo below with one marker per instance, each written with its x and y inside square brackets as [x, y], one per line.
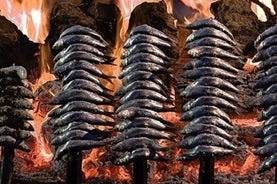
[212, 88]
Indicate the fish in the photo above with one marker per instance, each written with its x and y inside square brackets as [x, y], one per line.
[267, 42]
[78, 106]
[145, 122]
[210, 62]
[7, 140]
[197, 129]
[80, 47]
[144, 75]
[265, 100]
[140, 153]
[18, 113]
[67, 40]
[144, 48]
[142, 132]
[267, 33]
[212, 120]
[144, 57]
[146, 29]
[82, 30]
[76, 145]
[210, 22]
[144, 94]
[271, 138]
[82, 74]
[210, 32]
[215, 82]
[134, 112]
[147, 66]
[79, 95]
[208, 71]
[17, 91]
[267, 130]
[266, 64]
[267, 113]
[205, 139]
[12, 81]
[266, 150]
[87, 85]
[80, 126]
[271, 89]
[81, 116]
[265, 54]
[271, 71]
[213, 42]
[208, 100]
[145, 103]
[265, 81]
[137, 142]
[268, 163]
[24, 126]
[65, 69]
[146, 38]
[81, 55]
[62, 138]
[271, 121]
[205, 110]
[23, 147]
[15, 102]
[199, 90]
[204, 51]
[18, 72]
[204, 151]
[141, 84]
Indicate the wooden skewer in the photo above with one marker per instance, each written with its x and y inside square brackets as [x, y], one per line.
[206, 170]
[74, 167]
[7, 165]
[140, 171]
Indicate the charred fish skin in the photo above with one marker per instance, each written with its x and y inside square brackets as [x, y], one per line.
[266, 81]
[146, 29]
[265, 54]
[208, 100]
[72, 39]
[268, 163]
[266, 64]
[138, 153]
[143, 57]
[271, 89]
[203, 151]
[267, 33]
[206, 139]
[210, 22]
[210, 32]
[208, 71]
[267, 42]
[267, 113]
[266, 150]
[141, 84]
[144, 38]
[144, 48]
[210, 62]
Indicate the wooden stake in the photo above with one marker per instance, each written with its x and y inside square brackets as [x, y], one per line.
[140, 171]
[206, 170]
[74, 167]
[7, 165]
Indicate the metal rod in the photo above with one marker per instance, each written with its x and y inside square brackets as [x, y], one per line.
[206, 170]
[275, 175]
[7, 165]
[140, 171]
[74, 167]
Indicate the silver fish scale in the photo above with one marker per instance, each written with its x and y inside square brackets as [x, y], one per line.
[76, 120]
[266, 82]
[143, 95]
[210, 92]
[14, 105]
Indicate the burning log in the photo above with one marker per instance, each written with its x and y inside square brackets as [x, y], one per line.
[75, 121]
[206, 136]
[143, 94]
[266, 82]
[15, 128]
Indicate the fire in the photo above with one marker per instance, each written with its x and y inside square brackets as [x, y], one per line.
[30, 16]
